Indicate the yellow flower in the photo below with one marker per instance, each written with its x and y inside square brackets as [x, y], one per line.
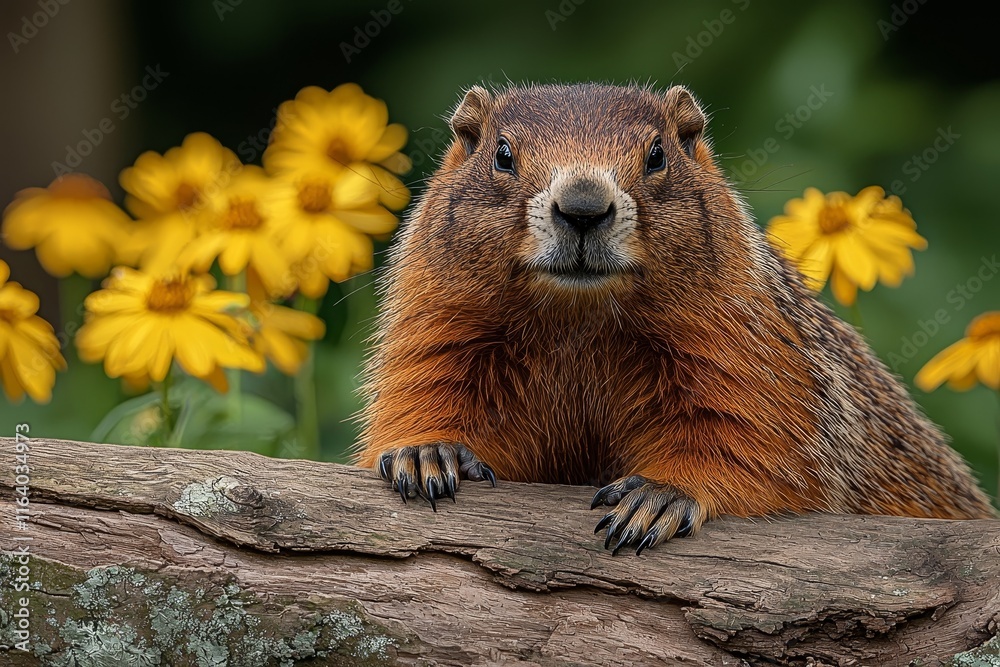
[339, 252]
[140, 322]
[974, 358]
[72, 225]
[337, 131]
[279, 332]
[329, 224]
[851, 241]
[166, 191]
[239, 226]
[29, 350]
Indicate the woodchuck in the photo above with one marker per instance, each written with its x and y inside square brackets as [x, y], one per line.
[580, 297]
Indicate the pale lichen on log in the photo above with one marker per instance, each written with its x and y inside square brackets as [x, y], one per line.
[987, 655]
[152, 556]
[119, 615]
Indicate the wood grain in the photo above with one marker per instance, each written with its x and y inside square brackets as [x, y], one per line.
[277, 561]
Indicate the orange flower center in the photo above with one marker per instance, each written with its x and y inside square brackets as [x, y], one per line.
[315, 197]
[187, 196]
[984, 326]
[833, 219]
[170, 295]
[242, 214]
[338, 151]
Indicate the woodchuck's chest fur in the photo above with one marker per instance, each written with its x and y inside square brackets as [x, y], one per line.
[580, 296]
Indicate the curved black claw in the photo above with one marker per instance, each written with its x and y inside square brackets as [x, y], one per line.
[612, 493]
[474, 469]
[646, 513]
[432, 471]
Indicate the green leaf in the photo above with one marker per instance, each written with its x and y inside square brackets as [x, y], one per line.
[118, 425]
[207, 421]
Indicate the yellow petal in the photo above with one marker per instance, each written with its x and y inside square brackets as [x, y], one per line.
[982, 326]
[889, 234]
[373, 220]
[40, 333]
[286, 353]
[201, 252]
[219, 300]
[151, 184]
[955, 361]
[391, 191]
[11, 383]
[200, 158]
[62, 254]
[843, 288]
[300, 240]
[34, 369]
[17, 301]
[131, 351]
[24, 221]
[94, 337]
[6, 332]
[201, 346]
[294, 322]
[313, 283]
[398, 163]
[355, 189]
[988, 365]
[217, 379]
[108, 302]
[792, 236]
[272, 267]
[866, 200]
[856, 261]
[891, 274]
[136, 384]
[816, 263]
[393, 139]
[235, 256]
[963, 383]
[163, 241]
[162, 355]
[197, 344]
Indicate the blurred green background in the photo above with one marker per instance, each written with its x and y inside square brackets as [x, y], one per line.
[852, 94]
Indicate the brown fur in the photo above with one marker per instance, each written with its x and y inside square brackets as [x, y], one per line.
[708, 366]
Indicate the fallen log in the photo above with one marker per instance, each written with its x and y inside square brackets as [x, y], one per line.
[145, 556]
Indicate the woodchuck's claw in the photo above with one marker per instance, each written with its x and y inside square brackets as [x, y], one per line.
[612, 493]
[432, 471]
[646, 513]
[474, 469]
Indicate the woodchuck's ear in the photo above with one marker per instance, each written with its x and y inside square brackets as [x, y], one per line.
[686, 116]
[470, 116]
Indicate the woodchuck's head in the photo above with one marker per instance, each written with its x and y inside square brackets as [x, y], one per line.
[571, 190]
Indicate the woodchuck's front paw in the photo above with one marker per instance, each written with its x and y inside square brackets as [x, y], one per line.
[646, 512]
[432, 471]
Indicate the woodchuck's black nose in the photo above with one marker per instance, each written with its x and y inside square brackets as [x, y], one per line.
[582, 213]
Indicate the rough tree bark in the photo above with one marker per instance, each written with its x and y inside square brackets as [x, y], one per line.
[153, 556]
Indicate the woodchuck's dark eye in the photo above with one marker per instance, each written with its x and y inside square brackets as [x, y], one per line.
[504, 159]
[656, 159]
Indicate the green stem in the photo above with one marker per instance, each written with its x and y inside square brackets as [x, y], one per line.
[72, 291]
[236, 283]
[307, 411]
[166, 410]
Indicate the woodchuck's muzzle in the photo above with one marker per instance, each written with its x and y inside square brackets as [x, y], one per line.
[583, 204]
